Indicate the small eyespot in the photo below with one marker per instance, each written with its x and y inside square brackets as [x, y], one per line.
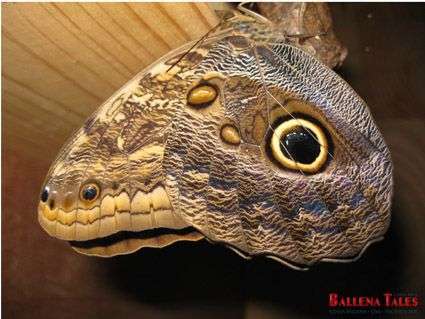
[89, 192]
[230, 134]
[45, 195]
[299, 144]
[202, 95]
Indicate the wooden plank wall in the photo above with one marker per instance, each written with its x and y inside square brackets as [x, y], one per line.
[62, 60]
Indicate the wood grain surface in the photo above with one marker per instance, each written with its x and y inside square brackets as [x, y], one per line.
[61, 60]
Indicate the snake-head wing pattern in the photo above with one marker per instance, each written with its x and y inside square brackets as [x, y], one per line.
[244, 139]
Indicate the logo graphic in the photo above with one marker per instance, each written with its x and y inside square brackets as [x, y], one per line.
[387, 303]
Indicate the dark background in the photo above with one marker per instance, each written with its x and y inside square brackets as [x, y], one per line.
[43, 278]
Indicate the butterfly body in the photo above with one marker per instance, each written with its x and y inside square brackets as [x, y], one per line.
[187, 146]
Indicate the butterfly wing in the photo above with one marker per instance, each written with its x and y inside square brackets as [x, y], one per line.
[188, 143]
[238, 196]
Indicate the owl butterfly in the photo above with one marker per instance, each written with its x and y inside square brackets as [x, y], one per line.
[242, 139]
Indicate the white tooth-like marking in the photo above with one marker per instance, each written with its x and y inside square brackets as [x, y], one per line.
[115, 213]
[140, 222]
[93, 229]
[123, 221]
[160, 199]
[67, 218]
[83, 216]
[122, 202]
[107, 207]
[82, 232]
[65, 232]
[141, 203]
[164, 218]
[94, 214]
[107, 226]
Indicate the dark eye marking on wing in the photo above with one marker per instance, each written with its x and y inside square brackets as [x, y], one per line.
[299, 143]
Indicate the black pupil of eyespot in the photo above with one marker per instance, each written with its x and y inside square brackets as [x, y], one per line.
[44, 195]
[89, 193]
[301, 144]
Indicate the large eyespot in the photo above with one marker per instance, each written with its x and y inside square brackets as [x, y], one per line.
[89, 192]
[202, 95]
[299, 144]
[45, 194]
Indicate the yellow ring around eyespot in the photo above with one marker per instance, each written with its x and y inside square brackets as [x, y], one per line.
[287, 127]
[201, 95]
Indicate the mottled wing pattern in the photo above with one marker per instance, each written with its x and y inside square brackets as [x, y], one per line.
[120, 148]
[237, 197]
[155, 161]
